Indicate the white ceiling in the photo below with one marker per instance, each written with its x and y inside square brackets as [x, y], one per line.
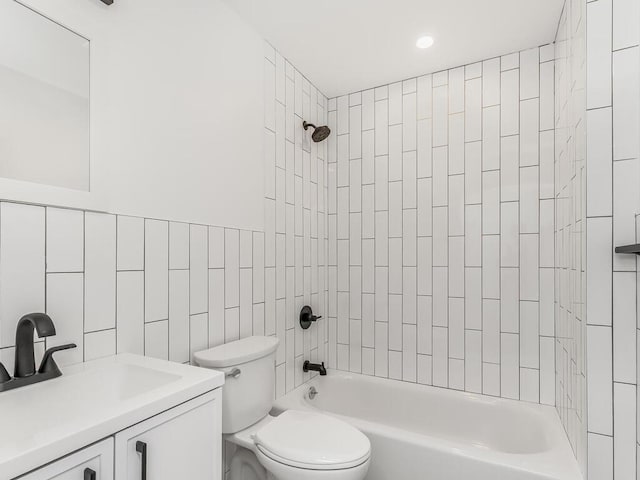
[344, 46]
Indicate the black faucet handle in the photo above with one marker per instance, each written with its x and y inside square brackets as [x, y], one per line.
[48, 364]
[4, 375]
[307, 317]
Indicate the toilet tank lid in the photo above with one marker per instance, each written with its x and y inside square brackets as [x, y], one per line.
[236, 353]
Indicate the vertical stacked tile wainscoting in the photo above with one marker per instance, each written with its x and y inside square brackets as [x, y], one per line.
[295, 220]
[612, 206]
[440, 224]
[116, 283]
[570, 226]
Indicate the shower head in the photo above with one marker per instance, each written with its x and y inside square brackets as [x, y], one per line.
[319, 133]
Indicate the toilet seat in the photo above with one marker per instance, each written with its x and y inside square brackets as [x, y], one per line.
[306, 466]
[312, 441]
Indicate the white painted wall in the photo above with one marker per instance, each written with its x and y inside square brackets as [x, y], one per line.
[176, 112]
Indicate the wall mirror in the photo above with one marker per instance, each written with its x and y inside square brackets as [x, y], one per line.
[44, 100]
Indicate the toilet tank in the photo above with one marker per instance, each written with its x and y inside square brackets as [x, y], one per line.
[248, 392]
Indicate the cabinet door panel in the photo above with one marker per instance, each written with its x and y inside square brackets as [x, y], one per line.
[181, 443]
[97, 458]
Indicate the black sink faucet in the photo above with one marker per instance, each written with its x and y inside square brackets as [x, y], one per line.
[314, 367]
[25, 368]
[25, 360]
[4, 375]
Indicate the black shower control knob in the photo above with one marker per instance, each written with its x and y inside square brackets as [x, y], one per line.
[307, 317]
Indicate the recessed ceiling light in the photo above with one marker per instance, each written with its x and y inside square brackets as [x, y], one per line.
[424, 42]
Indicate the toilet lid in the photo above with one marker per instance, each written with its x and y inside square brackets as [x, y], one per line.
[313, 441]
[236, 353]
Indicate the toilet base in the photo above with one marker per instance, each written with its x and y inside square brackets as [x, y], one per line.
[245, 466]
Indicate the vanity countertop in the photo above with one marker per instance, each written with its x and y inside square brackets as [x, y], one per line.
[92, 400]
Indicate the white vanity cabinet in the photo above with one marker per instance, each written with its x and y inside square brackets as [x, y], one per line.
[91, 463]
[101, 420]
[182, 443]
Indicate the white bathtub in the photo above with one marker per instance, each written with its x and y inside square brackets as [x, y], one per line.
[427, 433]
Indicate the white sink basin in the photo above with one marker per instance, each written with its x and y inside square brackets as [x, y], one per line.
[119, 382]
[45, 421]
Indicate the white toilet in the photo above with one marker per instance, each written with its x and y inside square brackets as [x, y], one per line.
[296, 445]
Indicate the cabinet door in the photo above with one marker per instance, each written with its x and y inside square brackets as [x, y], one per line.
[91, 463]
[181, 443]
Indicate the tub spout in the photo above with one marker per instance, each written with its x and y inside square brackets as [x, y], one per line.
[314, 367]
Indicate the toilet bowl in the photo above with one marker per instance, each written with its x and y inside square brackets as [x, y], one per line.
[296, 445]
[300, 445]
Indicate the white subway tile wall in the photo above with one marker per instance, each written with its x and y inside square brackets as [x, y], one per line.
[570, 238]
[440, 214]
[141, 286]
[612, 124]
[294, 243]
